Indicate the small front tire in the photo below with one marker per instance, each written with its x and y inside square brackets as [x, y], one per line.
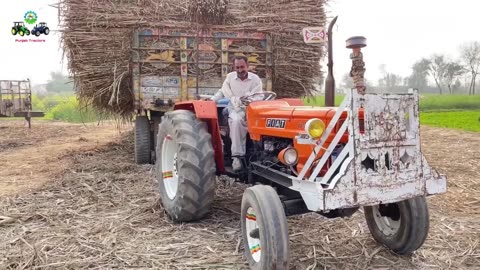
[264, 229]
[402, 227]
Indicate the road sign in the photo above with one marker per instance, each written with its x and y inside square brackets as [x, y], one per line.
[314, 35]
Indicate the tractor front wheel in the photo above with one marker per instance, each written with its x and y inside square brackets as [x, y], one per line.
[264, 229]
[142, 140]
[402, 227]
[185, 166]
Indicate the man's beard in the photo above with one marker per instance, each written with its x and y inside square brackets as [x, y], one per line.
[242, 75]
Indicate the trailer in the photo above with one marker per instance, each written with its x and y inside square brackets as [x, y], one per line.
[16, 100]
[173, 65]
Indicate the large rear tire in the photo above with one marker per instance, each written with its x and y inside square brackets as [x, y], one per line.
[264, 229]
[185, 166]
[142, 140]
[402, 227]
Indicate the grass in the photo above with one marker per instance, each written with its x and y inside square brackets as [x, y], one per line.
[463, 120]
[68, 110]
[63, 108]
[448, 111]
[430, 103]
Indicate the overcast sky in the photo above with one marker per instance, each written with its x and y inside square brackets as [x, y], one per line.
[398, 33]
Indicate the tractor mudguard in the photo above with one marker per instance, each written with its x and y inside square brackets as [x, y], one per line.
[207, 112]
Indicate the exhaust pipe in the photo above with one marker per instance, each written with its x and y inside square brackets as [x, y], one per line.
[330, 81]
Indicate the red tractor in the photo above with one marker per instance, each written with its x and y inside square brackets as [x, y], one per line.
[300, 159]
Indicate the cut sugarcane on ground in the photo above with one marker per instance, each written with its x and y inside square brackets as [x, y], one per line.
[96, 209]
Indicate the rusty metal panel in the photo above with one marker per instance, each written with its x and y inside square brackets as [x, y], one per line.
[382, 161]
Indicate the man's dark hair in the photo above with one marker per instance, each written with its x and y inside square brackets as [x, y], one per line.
[240, 57]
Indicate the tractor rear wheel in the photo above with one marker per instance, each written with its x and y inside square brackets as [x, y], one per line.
[185, 166]
[402, 227]
[14, 31]
[46, 31]
[142, 140]
[264, 229]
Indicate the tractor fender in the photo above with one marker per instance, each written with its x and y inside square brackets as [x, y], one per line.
[207, 111]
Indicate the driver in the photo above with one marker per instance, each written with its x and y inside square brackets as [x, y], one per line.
[238, 84]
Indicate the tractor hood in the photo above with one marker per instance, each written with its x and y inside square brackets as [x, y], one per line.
[284, 118]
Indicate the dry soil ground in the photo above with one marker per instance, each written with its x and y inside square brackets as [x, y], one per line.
[71, 197]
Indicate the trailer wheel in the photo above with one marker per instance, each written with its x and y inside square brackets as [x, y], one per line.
[402, 227]
[185, 166]
[156, 118]
[264, 229]
[142, 140]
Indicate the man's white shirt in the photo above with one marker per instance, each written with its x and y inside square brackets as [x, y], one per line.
[233, 86]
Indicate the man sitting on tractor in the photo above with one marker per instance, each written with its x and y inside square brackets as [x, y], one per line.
[238, 84]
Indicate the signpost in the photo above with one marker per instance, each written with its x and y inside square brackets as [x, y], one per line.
[315, 35]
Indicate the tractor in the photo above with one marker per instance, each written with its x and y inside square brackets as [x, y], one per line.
[42, 29]
[303, 159]
[19, 27]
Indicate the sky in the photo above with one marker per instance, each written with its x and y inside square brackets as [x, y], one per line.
[398, 34]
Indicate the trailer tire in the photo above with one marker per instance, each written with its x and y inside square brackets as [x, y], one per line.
[402, 227]
[185, 166]
[156, 119]
[263, 217]
[142, 140]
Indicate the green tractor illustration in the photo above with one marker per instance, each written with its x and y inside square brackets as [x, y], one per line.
[19, 27]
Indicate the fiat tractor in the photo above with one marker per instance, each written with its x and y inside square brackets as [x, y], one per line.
[301, 159]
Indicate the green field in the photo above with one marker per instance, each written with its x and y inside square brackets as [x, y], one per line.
[427, 102]
[63, 108]
[464, 120]
[448, 111]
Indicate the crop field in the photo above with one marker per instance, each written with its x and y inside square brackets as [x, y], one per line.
[447, 111]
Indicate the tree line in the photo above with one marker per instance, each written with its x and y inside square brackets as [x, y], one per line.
[453, 76]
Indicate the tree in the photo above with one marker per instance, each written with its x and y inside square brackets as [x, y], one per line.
[419, 77]
[59, 84]
[452, 72]
[437, 70]
[347, 81]
[390, 81]
[470, 53]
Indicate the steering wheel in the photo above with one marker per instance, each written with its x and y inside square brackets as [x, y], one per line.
[246, 100]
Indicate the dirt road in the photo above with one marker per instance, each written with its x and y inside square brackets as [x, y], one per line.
[30, 157]
[100, 211]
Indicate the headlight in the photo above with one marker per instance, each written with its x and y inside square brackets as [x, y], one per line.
[288, 156]
[315, 128]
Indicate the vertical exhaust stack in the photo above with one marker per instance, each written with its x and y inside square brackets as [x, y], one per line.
[330, 81]
[356, 43]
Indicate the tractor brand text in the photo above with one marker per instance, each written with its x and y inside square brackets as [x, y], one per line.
[275, 123]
